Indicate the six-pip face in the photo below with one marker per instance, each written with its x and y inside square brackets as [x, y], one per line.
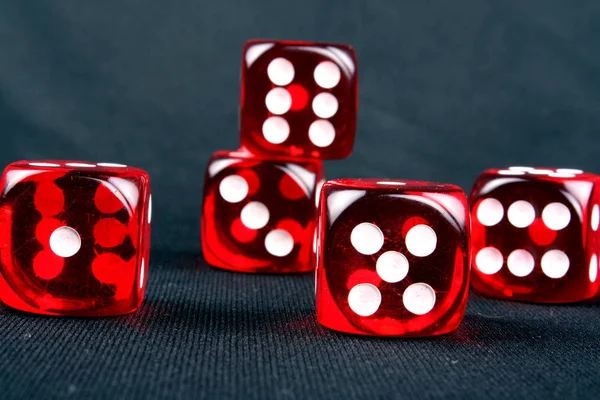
[298, 99]
[534, 234]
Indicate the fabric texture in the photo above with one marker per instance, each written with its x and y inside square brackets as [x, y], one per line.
[446, 90]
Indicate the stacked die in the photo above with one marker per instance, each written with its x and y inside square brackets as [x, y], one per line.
[298, 107]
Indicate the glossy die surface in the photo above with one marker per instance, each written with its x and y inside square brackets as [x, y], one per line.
[74, 237]
[298, 99]
[535, 234]
[259, 215]
[392, 257]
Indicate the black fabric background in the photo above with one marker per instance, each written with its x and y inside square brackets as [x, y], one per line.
[447, 88]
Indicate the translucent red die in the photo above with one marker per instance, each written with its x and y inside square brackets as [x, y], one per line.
[259, 214]
[392, 257]
[298, 99]
[535, 234]
[74, 237]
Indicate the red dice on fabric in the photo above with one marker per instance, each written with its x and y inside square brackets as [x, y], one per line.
[259, 215]
[74, 237]
[298, 99]
[392, 258]
[535, 234]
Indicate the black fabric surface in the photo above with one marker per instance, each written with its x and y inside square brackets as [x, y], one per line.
[447, 88]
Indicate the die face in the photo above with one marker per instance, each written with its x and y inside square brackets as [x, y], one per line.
[392, 258]
[259, 215]
[298, 99]
[74, 237]
[533, 236]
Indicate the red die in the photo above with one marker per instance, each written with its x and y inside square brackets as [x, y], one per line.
[393, 257]
[535, 234]
[298, 99]
[74, 237]
[259, 214]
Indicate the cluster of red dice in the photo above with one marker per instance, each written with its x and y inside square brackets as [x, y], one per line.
[379, 267]
[392, 258]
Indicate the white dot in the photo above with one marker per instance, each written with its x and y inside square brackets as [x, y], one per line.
[364, 299]
[233, 188]
[541, 171]
[390, 183]
[392, 266]
[325, 105]
[419, 298]
[569, 171]
[255, 215]
[65, 242]
[561, 175]
[278, 101]
[142, 272]
[43, 164]
[279, 242]
[556, 216]
[321, 133]
[80, 165]
[280, 71]
[276, 130]
[111, 165]
[489, 260]
[555, 264]
[520, 263]
[595, 221]
[366, 238]
[327, 75]
[421, 240]
[509, 172]
[490, 212]
[521, 214]
[522, 169]
[593, 268]
[150, 210]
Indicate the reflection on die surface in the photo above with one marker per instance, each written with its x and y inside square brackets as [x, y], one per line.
[74, 237]
[535, 234]
[392, 257]
[259, 214]
[298, 99]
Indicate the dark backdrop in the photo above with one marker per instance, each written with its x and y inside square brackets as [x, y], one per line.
[447, 88]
